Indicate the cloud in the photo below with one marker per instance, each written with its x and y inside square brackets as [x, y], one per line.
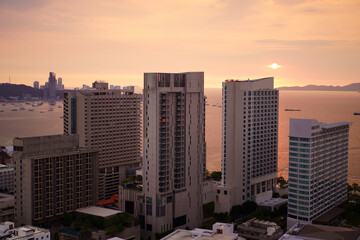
[300, 43]
[22, 5]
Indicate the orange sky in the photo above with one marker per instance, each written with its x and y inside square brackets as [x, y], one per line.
[315, 41]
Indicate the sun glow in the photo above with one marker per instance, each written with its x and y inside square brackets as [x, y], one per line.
[274, 66]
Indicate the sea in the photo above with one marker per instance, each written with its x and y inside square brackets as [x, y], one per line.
[325, 106]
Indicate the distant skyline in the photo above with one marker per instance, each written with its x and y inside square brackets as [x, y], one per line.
[313, 42]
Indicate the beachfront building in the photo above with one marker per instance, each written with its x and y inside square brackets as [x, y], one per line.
[318, 168]
[249, 142]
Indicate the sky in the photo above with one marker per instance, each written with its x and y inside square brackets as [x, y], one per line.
[313, 41]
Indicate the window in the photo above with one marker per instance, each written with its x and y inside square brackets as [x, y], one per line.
[148, 210]
[163, 80]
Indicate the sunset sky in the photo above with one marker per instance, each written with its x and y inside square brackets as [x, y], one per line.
[313, 41]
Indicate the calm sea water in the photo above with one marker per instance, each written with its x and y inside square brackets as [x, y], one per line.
[324, 106]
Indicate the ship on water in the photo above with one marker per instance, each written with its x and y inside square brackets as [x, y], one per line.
[292, 110]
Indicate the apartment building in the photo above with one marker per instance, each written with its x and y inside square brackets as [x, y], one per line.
[250, 142]
[174, 150]
[7, 181]
[110, 121]
[53, 176]
[318, 168]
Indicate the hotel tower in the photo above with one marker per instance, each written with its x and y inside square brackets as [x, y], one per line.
[318, 168]
[250, 142]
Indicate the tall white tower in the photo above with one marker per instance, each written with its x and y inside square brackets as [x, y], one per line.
[250, 142]
[174, 150]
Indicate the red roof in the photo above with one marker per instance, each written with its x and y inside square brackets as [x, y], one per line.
[113, 200]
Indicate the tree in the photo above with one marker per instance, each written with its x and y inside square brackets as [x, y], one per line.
[216, 175]
[68, 219]
[281, 181]
[355, 187]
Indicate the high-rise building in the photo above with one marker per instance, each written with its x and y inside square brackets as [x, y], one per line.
[249, 142]
[174, 150]
[36, 85]
[318, 168]
[52, 85]
[53, 176]
[60, 86]
[110, 121]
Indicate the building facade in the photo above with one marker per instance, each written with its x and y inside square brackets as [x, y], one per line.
[318, 168]
[174, 150]
[110, 121]
[250, 142]
[36, 85]
[9, 232]
[52, 85]
[7, 180]
[53, 176]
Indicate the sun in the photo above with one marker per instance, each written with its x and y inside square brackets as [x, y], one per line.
[274, 66]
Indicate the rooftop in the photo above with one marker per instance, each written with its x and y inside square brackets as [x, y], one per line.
[312, 231]
[98, 211]
[221, 231]
[196, 234]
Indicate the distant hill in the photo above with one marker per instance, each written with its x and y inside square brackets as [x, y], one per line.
[350, 87]
[15, 90]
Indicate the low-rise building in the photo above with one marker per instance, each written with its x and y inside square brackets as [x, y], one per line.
[7, 203]
[224, 231]
[7, 231]
[301, 231]
[255, 229]
[97, 211]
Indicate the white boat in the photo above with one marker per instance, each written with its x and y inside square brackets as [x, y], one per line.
[14, 109]
[22, 108]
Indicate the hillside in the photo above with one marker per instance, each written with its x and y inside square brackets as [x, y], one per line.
[350, 87]
[15, 90]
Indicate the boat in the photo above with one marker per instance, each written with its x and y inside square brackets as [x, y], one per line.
[42, 111]
[27, 103]
[52, 103]
[220, 106]
[51, 110]
[1, 110]
[31, 110]
[59, 106]
[292, 110]
[62, 117]
[207, 104]
[4, 104]
[214, 105]
[14, 109]
[22, 108]
[356, 113]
